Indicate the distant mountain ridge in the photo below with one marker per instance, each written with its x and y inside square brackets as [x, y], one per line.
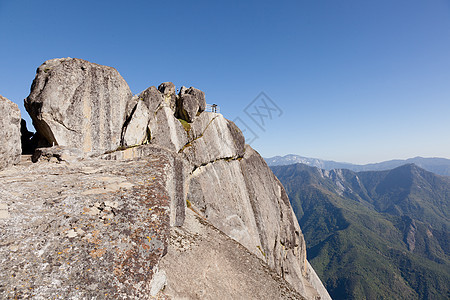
[374, 234]
[440, 166]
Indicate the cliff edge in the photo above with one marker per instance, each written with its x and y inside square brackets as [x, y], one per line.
[144, 195]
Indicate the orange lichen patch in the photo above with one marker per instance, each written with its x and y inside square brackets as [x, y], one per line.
[95, 239]
[118, 271]
[97, 253]
[65, 251]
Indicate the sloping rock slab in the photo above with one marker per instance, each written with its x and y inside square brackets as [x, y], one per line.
[213, 137]
[204, 263]
[167, 131]
[136, 129]
[243, 199]
[219, 192]
[94, 231]
[10, 145]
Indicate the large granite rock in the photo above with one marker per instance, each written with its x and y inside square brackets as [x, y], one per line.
[213, 137]
[136, 131]
[169, 93]
[280, 235]
[153, 98]
[10, 146]
[189, 103]
[92, 230]
[152, 120]
[177, 170]
[78, 104]
[239, 214]
[167, 131]
[243, 199]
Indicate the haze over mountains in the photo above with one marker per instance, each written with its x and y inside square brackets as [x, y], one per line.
[440, 166]
[374, 234]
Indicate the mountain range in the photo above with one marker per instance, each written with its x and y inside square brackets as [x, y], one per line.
[374, 234]
[440, 166]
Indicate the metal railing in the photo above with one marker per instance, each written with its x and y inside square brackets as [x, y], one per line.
[212, 108]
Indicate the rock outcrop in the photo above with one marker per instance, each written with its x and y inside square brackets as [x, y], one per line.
[204, 263]
[10, 146]
[93, 229]
[169, 92]
[212, 137]
[190, 102]
[78, 104]
[243, 199]
[217, 195]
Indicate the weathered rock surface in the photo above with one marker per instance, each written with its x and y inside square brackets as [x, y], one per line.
[189, 103]
[244, 229]
[281, 237]
[213, 137]
[153, 98]
[78, 104]
[225, 203]
[169, 93]
[166, 130]
[136, 131]
[10, 146]
[204, 263]
[243, 199]
[90, 230]
[176, 171]
[57, 154]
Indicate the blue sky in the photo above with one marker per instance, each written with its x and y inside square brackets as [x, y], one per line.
[356, 81]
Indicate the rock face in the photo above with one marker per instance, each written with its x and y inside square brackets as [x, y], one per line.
[136, 131]
[227, 270]
[78, 104]
[169, 92]
[95, 229]
[10, 147]
[218, 195]
[212, 137]
[190, 102]
[243, 199]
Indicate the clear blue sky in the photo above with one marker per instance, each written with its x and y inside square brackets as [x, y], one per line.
[357, 81]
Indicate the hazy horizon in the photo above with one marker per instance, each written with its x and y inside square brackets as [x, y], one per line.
[362, 163]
